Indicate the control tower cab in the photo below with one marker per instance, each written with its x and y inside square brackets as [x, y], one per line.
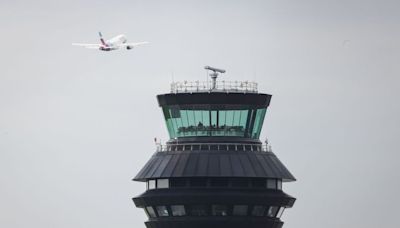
[214, 171]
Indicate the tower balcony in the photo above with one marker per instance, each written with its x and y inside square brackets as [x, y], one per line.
[220, 86]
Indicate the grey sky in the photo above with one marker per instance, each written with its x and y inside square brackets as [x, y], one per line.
[76, 125]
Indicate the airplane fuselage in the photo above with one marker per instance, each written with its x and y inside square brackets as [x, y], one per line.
[113, 43]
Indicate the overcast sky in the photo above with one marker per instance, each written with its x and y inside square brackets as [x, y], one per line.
[77, 124]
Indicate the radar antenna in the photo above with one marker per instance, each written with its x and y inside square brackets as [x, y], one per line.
[214, 75]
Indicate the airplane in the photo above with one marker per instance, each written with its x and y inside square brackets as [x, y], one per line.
[114, 43]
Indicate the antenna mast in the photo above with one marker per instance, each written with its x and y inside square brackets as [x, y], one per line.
[214, 75]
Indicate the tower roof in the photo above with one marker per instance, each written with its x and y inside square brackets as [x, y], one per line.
[177, 164]
[259, 100]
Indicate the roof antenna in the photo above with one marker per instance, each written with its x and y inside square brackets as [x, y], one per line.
[214, 75]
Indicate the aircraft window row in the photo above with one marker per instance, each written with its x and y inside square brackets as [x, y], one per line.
[214, 210]
[215, 182]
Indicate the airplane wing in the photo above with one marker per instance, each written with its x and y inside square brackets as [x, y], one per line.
[133, 44]
[90, 46]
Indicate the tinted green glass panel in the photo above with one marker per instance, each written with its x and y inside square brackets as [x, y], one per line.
[206, 118]
[236, 118]
[179, 126]
[167, 118]
[173, 121]
[171, 127]
[191, 119]
[182, 123]
[184, 116]
[191, 123]
[235, 121]
[258, 123]
[221, 118]
[243, 118]
[221, 125]
[229, 118]
[261, 122]
[198, 118]
[214, 118]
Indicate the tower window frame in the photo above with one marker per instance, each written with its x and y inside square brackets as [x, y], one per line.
[258, 183]
[198, 182]
[162, 183]
[178, 183]
[219, 182]
[162, 211]
[240, 210]
[258, 210]
[178, 210]
[272, 211]
[280, 212]
[150, 212]
[151, 184]
[271, 183]
[199, 210]
[279, 184]
[219, 210]
[239, 183]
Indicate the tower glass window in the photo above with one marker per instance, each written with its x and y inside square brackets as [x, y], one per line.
[219, 210]
[258, 183]
[272, 211]
[178, 182]
[240, 183]
[162, 211]
[151, 184]
[162, 183]
[240, 210]
[178, 210]
[279, 184]
[280, 212]
[271, 183]
[150, 212]
[219, 182]
[258, 211]
[198, 210]
[209, 120]
[198, 182]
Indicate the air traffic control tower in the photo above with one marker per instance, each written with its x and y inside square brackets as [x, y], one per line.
[214, 172]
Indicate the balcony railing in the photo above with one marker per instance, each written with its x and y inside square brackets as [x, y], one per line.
[221, 86]
[213, 147]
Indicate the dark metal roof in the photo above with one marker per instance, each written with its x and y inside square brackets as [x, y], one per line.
[214, 98]
[176, 164]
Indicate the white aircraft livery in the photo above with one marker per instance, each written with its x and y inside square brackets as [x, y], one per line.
[114, 43]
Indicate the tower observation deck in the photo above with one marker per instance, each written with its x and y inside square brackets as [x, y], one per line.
[214, 171]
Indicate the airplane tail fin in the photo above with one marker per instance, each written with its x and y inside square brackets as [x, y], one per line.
[101, 39]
